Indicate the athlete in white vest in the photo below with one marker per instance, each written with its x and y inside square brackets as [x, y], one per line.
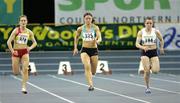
[147, 42]
[91, 36]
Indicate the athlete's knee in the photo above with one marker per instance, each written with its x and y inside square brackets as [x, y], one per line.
[15, 70]
[146, 74]
[147, 70]
[15, 73]
[25, 70]
[156, 71]
[86, 63]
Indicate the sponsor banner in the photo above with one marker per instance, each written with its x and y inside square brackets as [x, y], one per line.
[114, 36]
[171, 35]
[10, 10]
[116, 11]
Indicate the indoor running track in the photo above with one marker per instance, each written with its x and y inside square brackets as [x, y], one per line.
[115, 88]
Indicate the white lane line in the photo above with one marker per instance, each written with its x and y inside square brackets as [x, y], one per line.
[172, 75]
[114, 93]
[0, 98]
[131, 83]
[46, 91]
[165, 80]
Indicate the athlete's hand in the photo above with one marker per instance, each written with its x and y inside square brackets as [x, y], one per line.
[75, 51]
[145, 48]
[28, 49]
[15, 52]
[161, 50]
[98, 42]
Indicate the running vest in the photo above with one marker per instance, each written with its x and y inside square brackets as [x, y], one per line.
[21, 38]
[88, 36]
[149, 39]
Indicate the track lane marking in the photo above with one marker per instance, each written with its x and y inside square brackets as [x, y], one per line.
[107, 91]
[46, 91]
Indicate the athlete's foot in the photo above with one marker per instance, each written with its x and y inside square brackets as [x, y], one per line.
[24, 91]
[91, 88]
[148, 91]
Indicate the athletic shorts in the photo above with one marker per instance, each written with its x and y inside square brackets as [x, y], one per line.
[149, 53]
[21, 52]
[90, 51]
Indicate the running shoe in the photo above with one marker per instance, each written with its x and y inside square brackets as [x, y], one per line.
[148, 91]
[24, 91]
[91, 88]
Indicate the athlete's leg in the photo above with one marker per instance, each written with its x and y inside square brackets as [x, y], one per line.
[86, 62]
[94, 62]
[15, 65]
[141, 68]
[155, 66]
[146, 64]
[25, 64]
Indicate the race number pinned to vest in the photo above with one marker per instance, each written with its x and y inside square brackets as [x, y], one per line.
[102, 67]
[22, 39]
[65, 68]
[32, 68]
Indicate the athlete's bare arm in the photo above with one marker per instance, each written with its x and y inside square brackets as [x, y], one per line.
[11, 38]
[34, 43]
[138, 40]
[98, 33]
[159, 35]
[76, 39]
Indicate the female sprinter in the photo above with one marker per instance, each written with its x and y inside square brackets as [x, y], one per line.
[147, 42]
[20, 50]
[91, 36]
